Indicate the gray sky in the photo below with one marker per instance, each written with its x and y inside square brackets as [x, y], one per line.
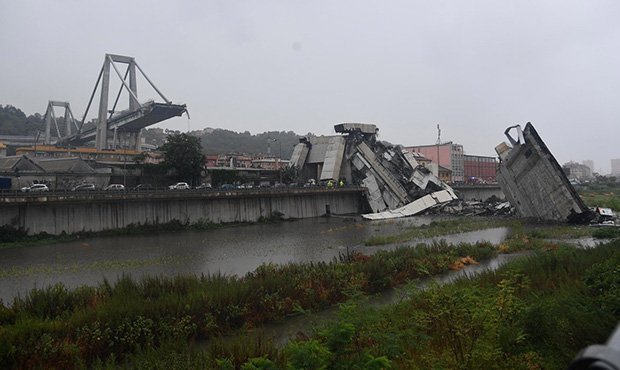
[473, 67]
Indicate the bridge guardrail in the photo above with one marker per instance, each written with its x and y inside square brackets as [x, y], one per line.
[11, 194]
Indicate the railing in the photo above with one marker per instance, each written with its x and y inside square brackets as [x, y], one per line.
[7, 195]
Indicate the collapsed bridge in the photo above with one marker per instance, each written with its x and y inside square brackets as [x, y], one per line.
[397, 184]
[112, 126]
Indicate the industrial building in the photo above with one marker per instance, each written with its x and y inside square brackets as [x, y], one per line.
[479, 169]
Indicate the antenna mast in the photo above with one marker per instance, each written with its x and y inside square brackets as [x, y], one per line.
[438, 135]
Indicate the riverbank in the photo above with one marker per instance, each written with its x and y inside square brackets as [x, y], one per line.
[58, 327]
[11, 237]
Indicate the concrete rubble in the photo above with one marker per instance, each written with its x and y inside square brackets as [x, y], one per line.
[533, 181]
[397, 185]
[490, 207]
[534, 184]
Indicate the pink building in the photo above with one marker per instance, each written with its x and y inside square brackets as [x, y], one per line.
[211, 160]
[447, 155]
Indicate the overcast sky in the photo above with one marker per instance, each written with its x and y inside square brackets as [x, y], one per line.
[473, 67]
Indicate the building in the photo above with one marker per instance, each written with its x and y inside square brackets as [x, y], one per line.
[576, 171]
[231, 160]
[615, 166]
[19, 164]
[479, 169]
[58, 173]
[589, 163]
[211, 160]
[447, 155]
[65, 165]
[269, 163]
[86, 153]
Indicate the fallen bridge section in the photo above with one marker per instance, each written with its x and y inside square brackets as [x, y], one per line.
[534, 182]
[148, 114]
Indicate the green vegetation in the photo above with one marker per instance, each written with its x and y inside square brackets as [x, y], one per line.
[534, 313]
[225, 141]
[14, 122]
[606, 195]
[183, 155]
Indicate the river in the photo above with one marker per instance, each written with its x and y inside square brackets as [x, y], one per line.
[228, 250]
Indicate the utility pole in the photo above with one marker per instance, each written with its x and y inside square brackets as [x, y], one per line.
[279, 158]
[438, 143]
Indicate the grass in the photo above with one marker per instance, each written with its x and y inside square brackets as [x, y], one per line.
[602, 196]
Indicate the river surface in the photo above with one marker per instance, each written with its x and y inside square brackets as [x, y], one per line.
[233, 250]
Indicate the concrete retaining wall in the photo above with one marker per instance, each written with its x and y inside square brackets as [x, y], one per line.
[44, 214]
[479, 192]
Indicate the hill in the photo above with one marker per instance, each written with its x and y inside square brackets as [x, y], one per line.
[15, 122]
[214, 140]
[219, 141]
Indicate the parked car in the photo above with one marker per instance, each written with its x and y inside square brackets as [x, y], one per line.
[84, 187]
[143, 187]
[115, 187]
[35, 188]
[204, 186]
[179, 186]
[227, 187]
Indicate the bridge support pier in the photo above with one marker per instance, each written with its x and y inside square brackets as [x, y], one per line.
[102, 124]
[129, 140]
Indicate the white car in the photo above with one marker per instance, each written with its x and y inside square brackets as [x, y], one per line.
[179, 186]
[114, 187]
[35, 188]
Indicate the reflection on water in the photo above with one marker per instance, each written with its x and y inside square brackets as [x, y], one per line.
[230, 250]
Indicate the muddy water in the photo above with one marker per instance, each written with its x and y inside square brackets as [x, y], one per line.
[231, 250]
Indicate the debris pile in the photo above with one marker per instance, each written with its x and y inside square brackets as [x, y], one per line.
[605, 216]
[490, 207]
[397, 184]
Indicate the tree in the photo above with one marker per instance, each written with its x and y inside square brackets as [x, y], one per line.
[183, 154]
[290, 174]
